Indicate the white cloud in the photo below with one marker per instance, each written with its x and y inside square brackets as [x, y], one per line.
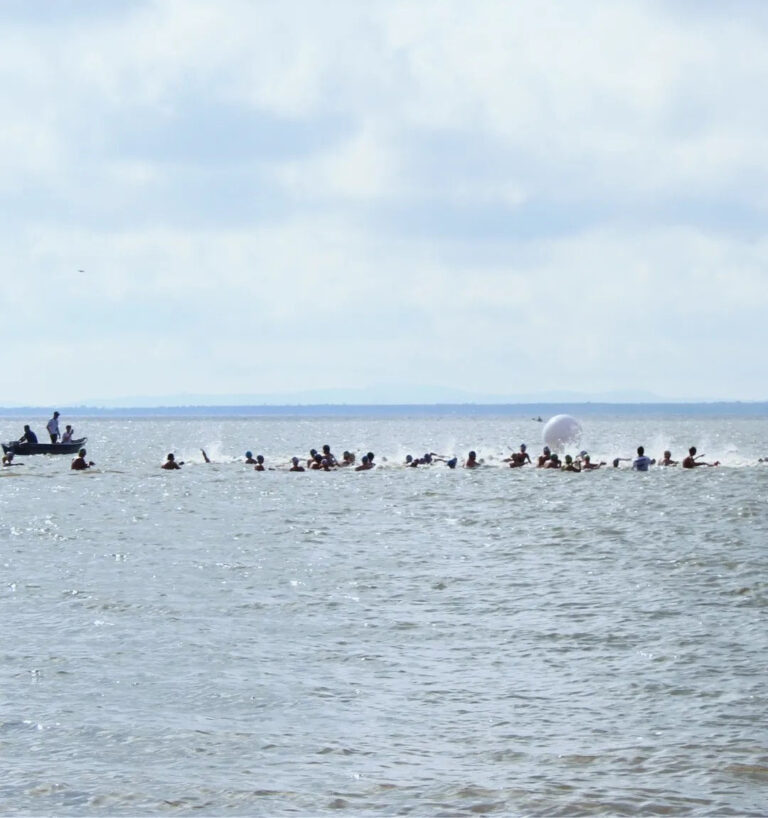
[571, 191]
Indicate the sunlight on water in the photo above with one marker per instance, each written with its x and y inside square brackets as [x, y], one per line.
[402, 640]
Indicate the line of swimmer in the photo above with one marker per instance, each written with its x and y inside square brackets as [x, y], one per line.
[325, 460]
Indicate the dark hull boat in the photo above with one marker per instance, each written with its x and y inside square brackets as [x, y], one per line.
[43, 448]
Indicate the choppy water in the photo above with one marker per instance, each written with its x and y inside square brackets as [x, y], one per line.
[399, 641]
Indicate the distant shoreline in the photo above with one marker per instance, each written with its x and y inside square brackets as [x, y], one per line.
[523, 411]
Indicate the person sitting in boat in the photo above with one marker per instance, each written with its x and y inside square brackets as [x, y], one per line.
[29, 436]
[53, 427]
[80, 463]
[171, 462]
[68, 433]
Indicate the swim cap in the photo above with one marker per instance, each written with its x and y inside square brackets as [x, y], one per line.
[249, 454]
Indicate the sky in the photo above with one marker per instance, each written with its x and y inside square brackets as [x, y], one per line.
[392, 200]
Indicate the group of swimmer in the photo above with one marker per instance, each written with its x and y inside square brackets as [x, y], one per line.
[325, 460]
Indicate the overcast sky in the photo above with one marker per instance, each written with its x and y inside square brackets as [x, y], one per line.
[503, 198]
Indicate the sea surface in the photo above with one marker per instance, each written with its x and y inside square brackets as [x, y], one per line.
[217, 641]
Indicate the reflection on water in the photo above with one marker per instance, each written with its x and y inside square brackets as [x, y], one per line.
[404, 640]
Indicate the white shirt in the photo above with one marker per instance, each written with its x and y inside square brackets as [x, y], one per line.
[52, 426]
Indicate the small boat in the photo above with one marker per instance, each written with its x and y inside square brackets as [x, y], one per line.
[24, 449]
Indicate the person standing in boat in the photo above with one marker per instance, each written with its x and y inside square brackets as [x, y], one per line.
[53, 427]
[29, 436]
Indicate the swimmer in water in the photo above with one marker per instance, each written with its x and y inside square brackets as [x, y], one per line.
[471, 462]
[80, 463]
[171, 463]
[411, 461]
[518, 459]
[617, 460]
[249, 459]
[544, 458]
[553, 462]
[259, 463]
[295, 466]
[329, 456]
[365, 464]
[588, 465]
[569, 465]
[692, 461]
[667, 459]
[8, 460]
[642, 462]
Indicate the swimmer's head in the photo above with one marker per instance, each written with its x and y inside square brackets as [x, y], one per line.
[326, 448]
[523, 447]
[408, 458]
[365, 458]
[249, 454]
[472, 455]
[583, 453]
[451, 463]
[295, 461]
[568, 459]
[547, 450]
[169, 457]
[667, 454]
[692, 451]
[259, 458]
[81, 453]
[641, 450]
[370, 457]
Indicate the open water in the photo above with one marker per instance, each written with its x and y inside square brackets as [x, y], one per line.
[423, 641]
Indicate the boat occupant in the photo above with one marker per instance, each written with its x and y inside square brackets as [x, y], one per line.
[53, 427]
[29, 436]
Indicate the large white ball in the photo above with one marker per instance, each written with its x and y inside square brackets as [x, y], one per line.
[560, 431]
